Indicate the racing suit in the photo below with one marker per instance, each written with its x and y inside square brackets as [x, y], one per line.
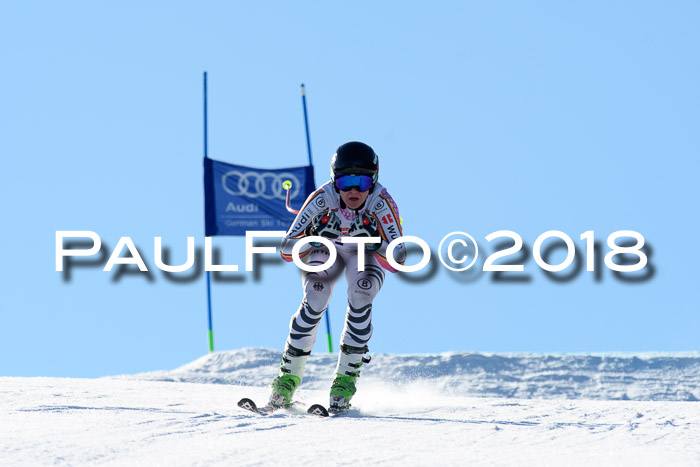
[363, 286]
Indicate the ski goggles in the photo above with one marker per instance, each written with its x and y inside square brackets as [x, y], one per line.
[346, 182]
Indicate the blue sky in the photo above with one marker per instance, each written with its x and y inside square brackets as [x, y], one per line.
[526, 116]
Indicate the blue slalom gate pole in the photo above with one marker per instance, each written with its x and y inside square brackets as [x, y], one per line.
[311, 162]
[206, 155]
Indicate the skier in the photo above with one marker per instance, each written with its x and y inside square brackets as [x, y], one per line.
[351, 204]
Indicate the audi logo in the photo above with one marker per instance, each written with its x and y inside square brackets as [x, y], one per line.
[266, 185]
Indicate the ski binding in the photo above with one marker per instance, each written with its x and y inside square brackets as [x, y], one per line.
[321, 411]
[249, 405]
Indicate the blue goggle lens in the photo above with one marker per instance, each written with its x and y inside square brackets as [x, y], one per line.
[346, 182]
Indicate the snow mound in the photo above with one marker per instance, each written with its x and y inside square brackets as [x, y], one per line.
[642, 377]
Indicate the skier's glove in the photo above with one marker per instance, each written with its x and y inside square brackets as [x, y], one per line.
[365, 225]
[324, 224]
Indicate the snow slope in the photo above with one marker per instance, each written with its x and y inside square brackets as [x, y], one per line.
[658, 377]
[452, 409]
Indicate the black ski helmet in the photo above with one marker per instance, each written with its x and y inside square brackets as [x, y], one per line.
[355, 158]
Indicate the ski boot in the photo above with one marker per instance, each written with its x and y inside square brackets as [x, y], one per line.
[289, 378]
[342, 390]
[346, 374]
